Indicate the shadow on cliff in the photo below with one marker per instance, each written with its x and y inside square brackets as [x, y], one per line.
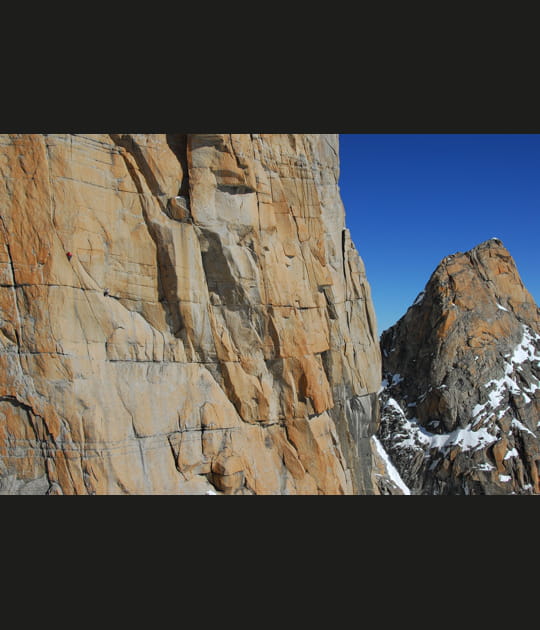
[178, 144]
[158, 229]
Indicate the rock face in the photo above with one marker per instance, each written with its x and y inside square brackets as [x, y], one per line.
[182, 313]
[461, 397]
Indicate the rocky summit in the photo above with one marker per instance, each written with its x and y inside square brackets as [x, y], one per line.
[461, 391]
[186, 314]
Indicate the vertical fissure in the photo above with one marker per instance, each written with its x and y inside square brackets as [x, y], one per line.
[178, 143]
[167, 283]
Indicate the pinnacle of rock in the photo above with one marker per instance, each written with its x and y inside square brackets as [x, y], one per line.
[461, 399]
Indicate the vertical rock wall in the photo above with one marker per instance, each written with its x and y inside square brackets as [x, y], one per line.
[211, 332]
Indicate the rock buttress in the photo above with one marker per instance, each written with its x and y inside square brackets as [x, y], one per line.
[182, 313]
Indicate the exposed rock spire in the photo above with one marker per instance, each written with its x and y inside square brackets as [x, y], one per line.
[461, 369]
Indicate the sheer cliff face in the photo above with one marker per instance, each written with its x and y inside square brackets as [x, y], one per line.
[461, 373]
[181, 314]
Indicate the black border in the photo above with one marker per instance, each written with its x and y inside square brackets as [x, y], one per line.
[338, 99]
[214, 68]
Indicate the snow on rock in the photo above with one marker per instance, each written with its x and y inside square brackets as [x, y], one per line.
[416, 435]
[522, 427]
[499, 388]
[511, 453]
[526, 350]
[466, 438]
[396, 379]
[486, 466]
[419, 298]
[391, 469]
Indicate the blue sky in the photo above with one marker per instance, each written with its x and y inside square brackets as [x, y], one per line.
[412, 199]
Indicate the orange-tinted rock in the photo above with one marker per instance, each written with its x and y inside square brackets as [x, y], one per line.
[207, 331]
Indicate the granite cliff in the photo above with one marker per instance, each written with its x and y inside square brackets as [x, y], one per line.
[461, 380]
[182, 314]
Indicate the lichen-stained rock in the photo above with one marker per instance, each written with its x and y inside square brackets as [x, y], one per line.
[461, 398]
[182, 313]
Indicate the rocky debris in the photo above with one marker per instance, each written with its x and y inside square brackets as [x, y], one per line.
[182, 313]
[461, 390]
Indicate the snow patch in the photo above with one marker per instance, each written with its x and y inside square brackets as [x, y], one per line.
[419, 298]
[396, 379]
[466, 438]
[524, 351]
[512, 453]
[391, 469]
[478, 409]
[485, 466]
[531, 389]
[502, 308]
[394, 404]
[521, 427]
[505, 478]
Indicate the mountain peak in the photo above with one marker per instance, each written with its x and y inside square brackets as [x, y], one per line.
[490, 243]
[464, 363]
[494, 241]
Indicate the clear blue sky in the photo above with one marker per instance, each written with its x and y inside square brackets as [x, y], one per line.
[412, 199]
